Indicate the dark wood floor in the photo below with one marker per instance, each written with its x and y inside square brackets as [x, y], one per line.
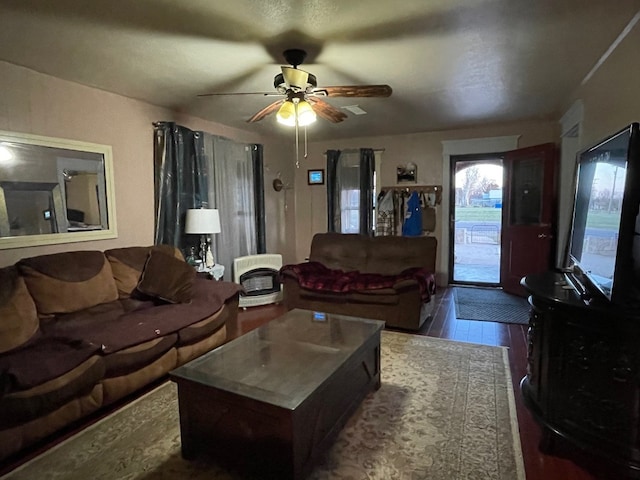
[444, 324]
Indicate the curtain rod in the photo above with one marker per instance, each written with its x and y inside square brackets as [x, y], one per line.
[357, 150]
[407, 188]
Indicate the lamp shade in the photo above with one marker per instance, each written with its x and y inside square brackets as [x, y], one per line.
[202, 221]
[287, 114]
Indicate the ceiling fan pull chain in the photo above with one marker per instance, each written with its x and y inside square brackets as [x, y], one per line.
[297, 146]
[306, 154]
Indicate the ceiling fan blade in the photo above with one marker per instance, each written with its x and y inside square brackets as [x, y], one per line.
[272, 107]
[356, 91]
[264, 94]
[326, 111]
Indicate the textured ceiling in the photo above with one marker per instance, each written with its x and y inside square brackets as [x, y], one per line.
[451, 63]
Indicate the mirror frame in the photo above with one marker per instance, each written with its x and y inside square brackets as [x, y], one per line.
[66, 237]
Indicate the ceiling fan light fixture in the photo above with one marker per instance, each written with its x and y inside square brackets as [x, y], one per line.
[306, 114]
[287, 114]
[295, 78]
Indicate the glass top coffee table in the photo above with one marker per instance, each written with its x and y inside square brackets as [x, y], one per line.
[272, 400]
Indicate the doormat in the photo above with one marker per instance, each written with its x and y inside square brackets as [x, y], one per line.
[491, 305]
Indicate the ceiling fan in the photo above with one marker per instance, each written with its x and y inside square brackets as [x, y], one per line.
[302, 98]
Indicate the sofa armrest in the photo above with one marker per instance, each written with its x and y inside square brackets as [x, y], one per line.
[406, 285]
[287, 273]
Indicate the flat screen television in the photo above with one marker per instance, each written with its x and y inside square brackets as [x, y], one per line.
[604, 251]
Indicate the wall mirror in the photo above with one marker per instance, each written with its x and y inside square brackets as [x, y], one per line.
[54, 190]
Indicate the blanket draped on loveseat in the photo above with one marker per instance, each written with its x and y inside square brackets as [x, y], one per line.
[315, 276]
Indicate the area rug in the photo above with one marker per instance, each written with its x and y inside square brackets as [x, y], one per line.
[490, 304]
[445, 411]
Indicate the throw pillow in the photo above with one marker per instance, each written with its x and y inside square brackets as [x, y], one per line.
[167, 278]
[69, 281]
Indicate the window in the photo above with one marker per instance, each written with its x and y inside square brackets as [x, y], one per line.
[350, 211]
[350, 191]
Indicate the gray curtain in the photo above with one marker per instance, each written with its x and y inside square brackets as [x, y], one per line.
[333, 192]
[258, 190]
[195, 169]
[367, 168]
[181, 175]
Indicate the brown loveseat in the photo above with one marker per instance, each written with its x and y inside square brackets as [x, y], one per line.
[80, 330]
[384, 278]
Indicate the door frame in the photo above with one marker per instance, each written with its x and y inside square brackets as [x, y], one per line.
[486, 158]
[462, 147]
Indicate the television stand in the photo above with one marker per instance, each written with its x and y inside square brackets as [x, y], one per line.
[583, 372]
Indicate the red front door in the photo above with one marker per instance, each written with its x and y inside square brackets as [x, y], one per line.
[527, 214]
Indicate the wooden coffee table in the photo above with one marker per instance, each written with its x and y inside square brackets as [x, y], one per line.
[273, 400]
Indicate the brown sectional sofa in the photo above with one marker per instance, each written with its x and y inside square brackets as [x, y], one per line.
[80, 330]
[383, 278]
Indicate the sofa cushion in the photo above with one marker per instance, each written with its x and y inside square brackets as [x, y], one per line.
[167, 278]
[387, 255]
[93, 319]
[134, 358]
[114, 328]
[393, 255]
[68, 282]
[128, 263]
[41, 360]
[385, 296]
[339, 251]
[25, 405]
[202, 329]
[18, 315]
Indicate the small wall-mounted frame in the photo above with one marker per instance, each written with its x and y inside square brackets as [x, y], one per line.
[407, 173]
[315, 177]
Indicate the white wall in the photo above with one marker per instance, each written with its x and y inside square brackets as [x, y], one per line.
[611, 96]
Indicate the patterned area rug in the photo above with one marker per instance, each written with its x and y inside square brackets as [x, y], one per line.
[445, 411]
[490, 304]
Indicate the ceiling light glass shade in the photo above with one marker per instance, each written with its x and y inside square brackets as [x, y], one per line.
[5, 154]
[295, 78]
[306, 115]
[287, 114]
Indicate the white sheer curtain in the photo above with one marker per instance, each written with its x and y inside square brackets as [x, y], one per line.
[348, 182]
[231, 190]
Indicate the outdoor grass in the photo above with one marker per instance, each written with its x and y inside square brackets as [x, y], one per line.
[604, 220]
[478, 214]
[597, 219]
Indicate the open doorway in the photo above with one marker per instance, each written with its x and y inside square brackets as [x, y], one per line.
[476, 219]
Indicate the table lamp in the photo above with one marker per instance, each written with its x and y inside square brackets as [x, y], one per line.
[202, 221]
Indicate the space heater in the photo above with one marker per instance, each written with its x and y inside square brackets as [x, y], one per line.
[258, 275]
